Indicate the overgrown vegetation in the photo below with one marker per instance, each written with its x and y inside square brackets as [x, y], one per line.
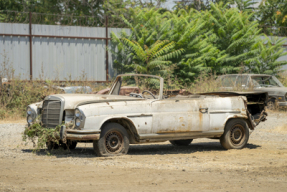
[40, 136]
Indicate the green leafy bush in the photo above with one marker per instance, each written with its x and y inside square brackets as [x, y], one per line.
[40, 135]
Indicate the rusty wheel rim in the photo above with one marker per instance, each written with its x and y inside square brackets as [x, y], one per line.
[237, 134]
[114, 141]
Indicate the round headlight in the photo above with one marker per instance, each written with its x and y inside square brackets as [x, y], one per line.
[29, 111]
[29, 119]
[77, 122]
[77, 113]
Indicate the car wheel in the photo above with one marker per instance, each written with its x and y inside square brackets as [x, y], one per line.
[236, 134]
[113, 141]
[52, 145]
[181, 142]
[70, 145]
[271, 104]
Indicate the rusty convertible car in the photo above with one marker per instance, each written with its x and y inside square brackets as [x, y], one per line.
[113, 122]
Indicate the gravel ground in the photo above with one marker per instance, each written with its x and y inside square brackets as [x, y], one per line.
[204, 165]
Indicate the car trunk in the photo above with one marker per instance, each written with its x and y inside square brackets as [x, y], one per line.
[255, 104]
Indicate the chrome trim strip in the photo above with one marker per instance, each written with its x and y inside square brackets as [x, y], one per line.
[224, 111]
[181, 135]
[141, 115]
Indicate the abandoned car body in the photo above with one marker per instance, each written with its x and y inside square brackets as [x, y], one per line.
[258, 82]
[112, 121]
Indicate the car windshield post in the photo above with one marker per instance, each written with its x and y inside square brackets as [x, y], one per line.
[277, 81]
[267, 81]
[119, 77]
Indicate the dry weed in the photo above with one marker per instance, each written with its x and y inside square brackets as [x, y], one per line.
[283, 78]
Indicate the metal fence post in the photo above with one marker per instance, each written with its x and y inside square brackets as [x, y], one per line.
[30, 35]
[107, 53]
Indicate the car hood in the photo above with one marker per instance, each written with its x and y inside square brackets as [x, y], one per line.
[71, 101]
[274, 90]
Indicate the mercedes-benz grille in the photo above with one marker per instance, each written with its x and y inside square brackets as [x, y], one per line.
[51, 113]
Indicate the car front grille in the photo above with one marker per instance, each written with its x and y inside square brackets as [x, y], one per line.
[51, 113]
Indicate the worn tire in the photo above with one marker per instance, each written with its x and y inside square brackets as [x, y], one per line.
[52, 145]
[181, 142]
[236, 134]
[113, 141]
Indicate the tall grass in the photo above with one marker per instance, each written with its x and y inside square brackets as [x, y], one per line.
[283, 78]
[205, 83]
[18, 94]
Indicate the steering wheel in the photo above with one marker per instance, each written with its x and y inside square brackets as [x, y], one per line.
[149, 93]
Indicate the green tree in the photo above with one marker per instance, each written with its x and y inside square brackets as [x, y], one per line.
[270, 50]
[272, 14]
[236, 35]
[188, 29]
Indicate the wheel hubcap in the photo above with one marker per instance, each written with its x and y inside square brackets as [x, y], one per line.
[114, 141]
[237, 134]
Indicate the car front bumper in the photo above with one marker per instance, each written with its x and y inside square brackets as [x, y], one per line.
[282, 104]
[79, 135]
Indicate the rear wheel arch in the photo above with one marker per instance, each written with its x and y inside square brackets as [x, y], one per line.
[128, 125]
[245, 119]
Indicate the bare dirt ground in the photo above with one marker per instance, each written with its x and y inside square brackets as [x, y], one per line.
[202, 166]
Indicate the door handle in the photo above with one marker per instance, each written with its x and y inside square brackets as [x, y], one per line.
[203, 110]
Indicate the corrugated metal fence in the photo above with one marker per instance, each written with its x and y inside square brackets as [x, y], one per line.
[58, 52]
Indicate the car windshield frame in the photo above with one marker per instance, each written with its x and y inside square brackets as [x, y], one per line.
[114, 86]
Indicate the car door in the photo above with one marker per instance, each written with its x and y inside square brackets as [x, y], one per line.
[180, 115]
